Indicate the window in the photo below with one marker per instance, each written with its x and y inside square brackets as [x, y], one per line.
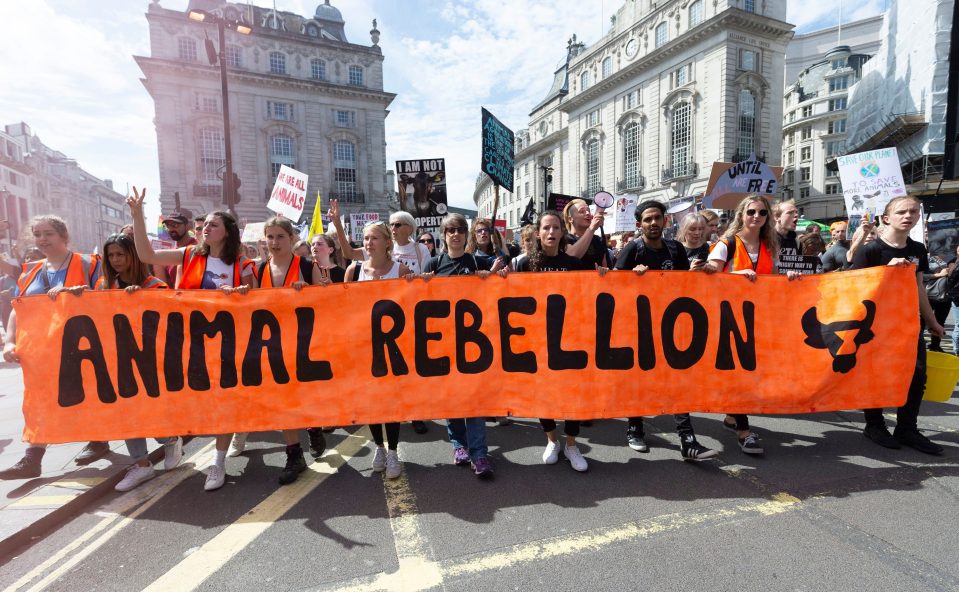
[747, 123]
[791, 157]
[805, 174]
[805, 154]
[592, 167]
[584, 80]
[14, 179]
[837, 126]
[631, 155]
[833, 189]
[790, 138]
[662, 34]
[279, 111]
[695, 13]
[803, 193]
[681, 137]
[281, 153]
[790, 177]
[837, 104]
[749, 5]
[747, 60]
[277, 63]
[840, 63]
[318, 69]
[607, 67]
[630, 100]
[840, 83]
[186, 49]
[835, 147]
[356, 75]
[344, 168]
[806, 132]
[211, 155]
[234, 56]
[345, 118]
[831, 173]
[807, 111]
[592, 118]
[207, 103]
[526, 188]
[680, 76]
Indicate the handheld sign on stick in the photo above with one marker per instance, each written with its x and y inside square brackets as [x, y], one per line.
[497, 160]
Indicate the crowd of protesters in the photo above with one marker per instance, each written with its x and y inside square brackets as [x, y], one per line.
[208, 255]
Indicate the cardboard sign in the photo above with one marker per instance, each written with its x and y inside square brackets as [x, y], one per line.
[558, 201]
[730, 182]
[625, 213]
[253, 232]
[944, 238]
[110, 365]
[422, 191]
[289, 193]
[804, 264]
[498, 151]
[870, 180]
[358, 222]
[158, 244]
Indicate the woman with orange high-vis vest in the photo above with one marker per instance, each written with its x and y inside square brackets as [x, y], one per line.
[215, 263]
[750, 248]
[61, 270]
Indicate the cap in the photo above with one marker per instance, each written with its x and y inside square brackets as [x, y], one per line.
[180, 217]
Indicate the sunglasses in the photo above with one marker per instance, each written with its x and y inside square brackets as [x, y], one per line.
[752, 212]
[426, 240]
[456, 230]
[396, 224]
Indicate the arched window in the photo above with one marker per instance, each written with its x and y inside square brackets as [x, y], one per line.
[695, 13]
[584, 80]
[662, 34]
[344, 169]
[681, 139]
[631, 174]
[356, 75]
[281, 153]
[277, 63]
[747, 123]
[592, 167]
[318, 69]
[212, 155]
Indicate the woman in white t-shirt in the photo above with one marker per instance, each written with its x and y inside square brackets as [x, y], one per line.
[405, 250]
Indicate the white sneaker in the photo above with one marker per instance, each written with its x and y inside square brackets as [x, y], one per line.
[393, 466]
[379, 459]
[237, 444]
[551, 454]
[575, 458]
[135, 476]
[172, 453]
[215, 478]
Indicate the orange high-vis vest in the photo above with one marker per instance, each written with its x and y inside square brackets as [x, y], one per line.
[194, 266]
[151, 283]
[265, 278]
[81, 271]
[738, 258]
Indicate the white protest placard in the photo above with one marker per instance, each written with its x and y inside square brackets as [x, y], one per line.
[625, 207]
[253, 232]
[289, 193]
[358, 222]
[870, 180]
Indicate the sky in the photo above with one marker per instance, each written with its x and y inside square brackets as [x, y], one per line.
[68, 72]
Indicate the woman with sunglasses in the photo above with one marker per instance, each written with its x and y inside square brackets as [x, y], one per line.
[548, 255]
[468, 436]
[750, 248]
[123, 270]
[216, 263]
[485, 243]
[379, 265]
[426, 239]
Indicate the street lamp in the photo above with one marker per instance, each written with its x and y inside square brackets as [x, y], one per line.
[547, 178]
[229, 179]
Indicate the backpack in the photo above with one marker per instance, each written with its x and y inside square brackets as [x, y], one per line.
[671, 246]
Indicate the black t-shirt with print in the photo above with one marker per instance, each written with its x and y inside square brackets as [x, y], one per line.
[701, 252]
[559, 262]
[638, 253]
[595, 253]
[467, 264]
[879, 252]
[788, 245]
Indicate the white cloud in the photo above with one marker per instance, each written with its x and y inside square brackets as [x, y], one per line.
[809, 15]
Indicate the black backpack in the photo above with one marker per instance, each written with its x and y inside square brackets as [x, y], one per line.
[952, 286]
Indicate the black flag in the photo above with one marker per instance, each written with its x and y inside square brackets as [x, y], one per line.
[528, 214]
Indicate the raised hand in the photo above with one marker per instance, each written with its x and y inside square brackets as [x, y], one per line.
[135, 202]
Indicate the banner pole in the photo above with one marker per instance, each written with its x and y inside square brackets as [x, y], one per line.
[493, 231]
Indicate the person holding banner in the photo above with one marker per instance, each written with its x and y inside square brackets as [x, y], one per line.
[548, 255]
[894, 247]
[216, 263]
[379, 265]
[486, 243]
[786, 215]
[61, 270]
[652, 251]
[581, 239]
[692, 235]
[468, 436]
[123, 270]
[323, 247]
[751, 247]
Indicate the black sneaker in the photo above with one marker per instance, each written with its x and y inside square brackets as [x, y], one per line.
[317, 442]
[751, 444]
[295, 464]
[418, 426]
[693, 450]
[26, 468]
[637, 442]
[91, 452]
[730, 426]
[914, 439]
[880, 435]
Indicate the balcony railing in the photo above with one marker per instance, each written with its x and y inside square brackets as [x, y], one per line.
[684, 169]
[635, 182]
[590, 193]
[739, 157]
[207, 190]
[348, 196]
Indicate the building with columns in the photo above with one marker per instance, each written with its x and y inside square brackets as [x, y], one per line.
[671, 88]
[300, 94]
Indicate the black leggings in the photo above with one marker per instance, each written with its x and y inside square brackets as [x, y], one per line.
[570, 426]
[392, 434]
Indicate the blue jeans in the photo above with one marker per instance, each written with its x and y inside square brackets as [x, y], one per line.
[955, 329]
[469, 433]
[137, 447]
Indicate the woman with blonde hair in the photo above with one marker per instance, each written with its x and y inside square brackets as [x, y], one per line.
[692, 235]
[581, 240]
[405, 250]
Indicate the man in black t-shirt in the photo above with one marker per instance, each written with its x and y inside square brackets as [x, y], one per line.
[896, 248]
[653, 252]
[467, 264]
[786, 215]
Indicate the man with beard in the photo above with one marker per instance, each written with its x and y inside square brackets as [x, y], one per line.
[176, 225]
[834, 259]
[651, 251]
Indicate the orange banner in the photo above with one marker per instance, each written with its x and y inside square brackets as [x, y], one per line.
[112, 365]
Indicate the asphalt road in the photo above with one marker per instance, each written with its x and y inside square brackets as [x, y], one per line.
[824, 509]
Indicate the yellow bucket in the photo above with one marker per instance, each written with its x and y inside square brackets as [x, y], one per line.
[942, 373]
